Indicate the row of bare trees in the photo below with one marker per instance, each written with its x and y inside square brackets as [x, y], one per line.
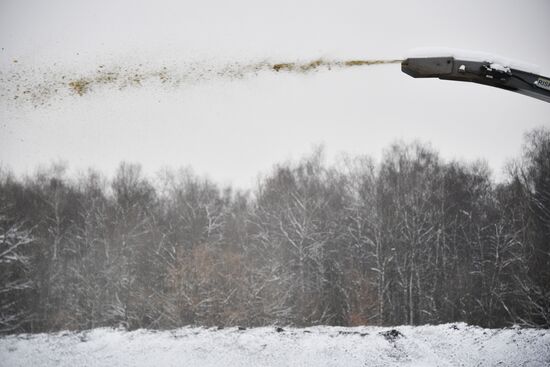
[410, 240]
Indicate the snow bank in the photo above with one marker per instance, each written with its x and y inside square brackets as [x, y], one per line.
[442, 345]
[473, 56]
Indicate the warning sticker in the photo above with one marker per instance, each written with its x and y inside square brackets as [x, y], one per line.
[543, 83]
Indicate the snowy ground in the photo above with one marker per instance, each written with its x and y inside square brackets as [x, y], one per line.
[442, 345]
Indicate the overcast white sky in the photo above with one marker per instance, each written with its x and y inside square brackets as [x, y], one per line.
[232, 130]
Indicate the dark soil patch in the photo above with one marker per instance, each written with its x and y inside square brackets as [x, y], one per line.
[391, 335]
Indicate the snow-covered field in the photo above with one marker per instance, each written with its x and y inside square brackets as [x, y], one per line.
[442, 345]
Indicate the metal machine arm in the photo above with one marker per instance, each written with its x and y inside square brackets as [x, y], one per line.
[494, 75]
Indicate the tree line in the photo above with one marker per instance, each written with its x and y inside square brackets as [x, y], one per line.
[412, 239]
